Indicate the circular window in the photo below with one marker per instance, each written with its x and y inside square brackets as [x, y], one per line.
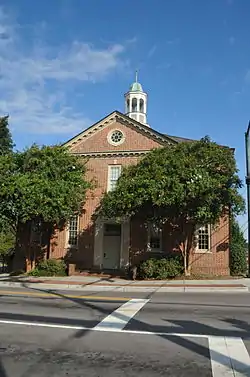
[116, 137]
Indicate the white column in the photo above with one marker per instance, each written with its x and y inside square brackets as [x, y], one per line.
[124, 259]
[138, 104]
[130, 104]
[98, 244]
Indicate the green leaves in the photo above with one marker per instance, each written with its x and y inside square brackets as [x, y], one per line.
[7, 242]
[6, 143]
[238, 249]
[47, 183]
[187, 182]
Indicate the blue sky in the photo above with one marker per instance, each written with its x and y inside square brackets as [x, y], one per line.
[65, 64]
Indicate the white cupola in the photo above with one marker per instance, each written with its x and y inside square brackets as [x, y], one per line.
[136, 102]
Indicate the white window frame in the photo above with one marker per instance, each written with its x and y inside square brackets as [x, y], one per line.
[110, 175]
[149, 234]
[115, 143]
[197, 249]
[68, 245]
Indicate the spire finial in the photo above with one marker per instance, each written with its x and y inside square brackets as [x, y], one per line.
[136, 76]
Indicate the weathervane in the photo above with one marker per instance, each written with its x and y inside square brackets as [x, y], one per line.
[136, 76]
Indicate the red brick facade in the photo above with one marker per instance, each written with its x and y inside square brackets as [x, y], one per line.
[138, 140]
[101, 155]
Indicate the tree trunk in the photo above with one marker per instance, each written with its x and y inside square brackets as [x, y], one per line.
[187, 267]
[186, 245]
[185, 263]
[189, 247]
[49, 234]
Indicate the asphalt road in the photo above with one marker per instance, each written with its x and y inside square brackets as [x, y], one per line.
[106, 334]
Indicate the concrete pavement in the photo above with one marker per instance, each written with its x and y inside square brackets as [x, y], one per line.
[43, 352]
[108, 284]
[66, 333]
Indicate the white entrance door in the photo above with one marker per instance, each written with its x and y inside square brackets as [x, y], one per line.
[111, 246]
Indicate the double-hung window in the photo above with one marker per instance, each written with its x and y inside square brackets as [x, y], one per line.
[203, 238]
[73, 231]
[114, 172]
[154, 238]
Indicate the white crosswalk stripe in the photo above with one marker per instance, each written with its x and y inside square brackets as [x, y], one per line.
[239, 357]
[229, 357]
[119, 318]
[220, 360]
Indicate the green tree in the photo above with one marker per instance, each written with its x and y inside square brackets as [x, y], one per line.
[7, 243]
[184, 184]
[238, 249]
[7, 237]
[8, 172]
[46, 185]
[6, 143]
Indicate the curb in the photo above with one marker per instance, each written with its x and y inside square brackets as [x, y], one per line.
[115, 288]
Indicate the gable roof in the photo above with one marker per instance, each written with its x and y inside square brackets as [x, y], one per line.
[186, 140]
[181, 139]
[117, 115]
[146, 130]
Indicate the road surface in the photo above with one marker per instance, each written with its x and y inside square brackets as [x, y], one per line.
[105, 334]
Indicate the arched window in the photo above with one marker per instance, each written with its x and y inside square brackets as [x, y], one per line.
[141, 106]
[128, 102]
[134, 104]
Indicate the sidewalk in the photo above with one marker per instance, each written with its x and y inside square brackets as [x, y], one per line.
[93, 283]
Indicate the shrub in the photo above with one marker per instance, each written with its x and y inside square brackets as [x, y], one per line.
[7, 243]
[17, 273]
[238, 247]
[49, 267]
[238, 261]
[163, 268]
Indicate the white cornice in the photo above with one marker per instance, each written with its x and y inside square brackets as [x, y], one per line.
[119, 117]
[143, 129]
[92, 130]
[112, 153]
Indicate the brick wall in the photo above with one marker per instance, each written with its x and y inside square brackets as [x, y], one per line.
[83, 255]
[215, 262]
[98, 142]
[97, 167]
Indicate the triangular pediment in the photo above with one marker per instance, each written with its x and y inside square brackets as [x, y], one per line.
[138, 136]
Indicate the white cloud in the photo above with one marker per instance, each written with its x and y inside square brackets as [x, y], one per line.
[173, 41]
[152, 51]
[34, 79]
[232, 41]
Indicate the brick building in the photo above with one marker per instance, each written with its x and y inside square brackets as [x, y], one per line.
[113, 142]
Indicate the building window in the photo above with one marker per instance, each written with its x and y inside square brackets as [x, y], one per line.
[73, 230]
[154, 238]
[203, 238]
[116, 137]
[112, 229]
[114, 173]
[141, 106]
[36, 232]
[134, 105]
[128, 107]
